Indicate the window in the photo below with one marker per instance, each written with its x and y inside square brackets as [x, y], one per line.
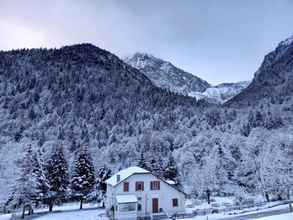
[155, 185]
[126, 186]
[139, 186]
[127, 207]
[175, 202]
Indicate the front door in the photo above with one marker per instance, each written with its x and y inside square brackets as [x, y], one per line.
[155, 205]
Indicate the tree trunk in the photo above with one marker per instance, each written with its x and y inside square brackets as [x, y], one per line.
[23, 212]
[31, 211]
[209, 196]
[50, 206]
[289, 200]
[81, 202]
[267, 197]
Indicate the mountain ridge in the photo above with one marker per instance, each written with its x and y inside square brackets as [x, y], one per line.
[166, 75]
[273, 80]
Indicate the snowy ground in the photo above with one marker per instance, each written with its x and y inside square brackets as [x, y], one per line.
[71, 211]
[68, 207]
[92, 214]
[288, 216]
[5, 217]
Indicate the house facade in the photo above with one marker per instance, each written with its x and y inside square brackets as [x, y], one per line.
[135, 192]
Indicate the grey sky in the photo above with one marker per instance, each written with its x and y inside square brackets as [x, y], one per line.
[220, 41]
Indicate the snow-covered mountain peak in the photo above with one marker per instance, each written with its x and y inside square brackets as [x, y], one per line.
[140, 60]
[287, 42]
[164, 74]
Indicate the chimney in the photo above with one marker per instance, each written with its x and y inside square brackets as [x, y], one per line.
[118, 178]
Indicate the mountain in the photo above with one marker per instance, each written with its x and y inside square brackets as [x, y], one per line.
[77, 95]
[273, 81]
[221, 93]
[165, 75]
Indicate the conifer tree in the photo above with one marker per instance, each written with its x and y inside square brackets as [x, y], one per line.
[142, 162]
[41, 181]
[171, 170]
[25, 185]
[57, 175]
[83, 179]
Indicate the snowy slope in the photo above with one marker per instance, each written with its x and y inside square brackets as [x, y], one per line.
[222, 92]
[164, 74]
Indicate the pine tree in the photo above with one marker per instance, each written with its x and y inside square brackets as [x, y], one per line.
[57, 175]
[41, 181]
[83, 179]
[142, 162]
[171, 170]
[25, 185]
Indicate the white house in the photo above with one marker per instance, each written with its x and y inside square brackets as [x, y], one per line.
[136, 193]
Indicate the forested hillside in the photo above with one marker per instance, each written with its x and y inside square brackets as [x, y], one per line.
[79, 95]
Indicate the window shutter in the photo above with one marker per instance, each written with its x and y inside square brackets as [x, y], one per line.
[136, 186]
[125, 186]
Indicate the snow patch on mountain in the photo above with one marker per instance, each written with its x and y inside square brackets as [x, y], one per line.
[222, 92]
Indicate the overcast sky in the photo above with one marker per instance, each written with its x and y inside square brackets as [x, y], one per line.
[220, 41]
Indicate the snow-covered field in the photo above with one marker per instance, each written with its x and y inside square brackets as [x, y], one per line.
[69, 211]
[288, 216]
[72, 215]
[68, 207]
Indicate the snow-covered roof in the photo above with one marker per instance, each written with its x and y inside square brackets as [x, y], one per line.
[126, 198]
[125, 174]
[171, 182]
